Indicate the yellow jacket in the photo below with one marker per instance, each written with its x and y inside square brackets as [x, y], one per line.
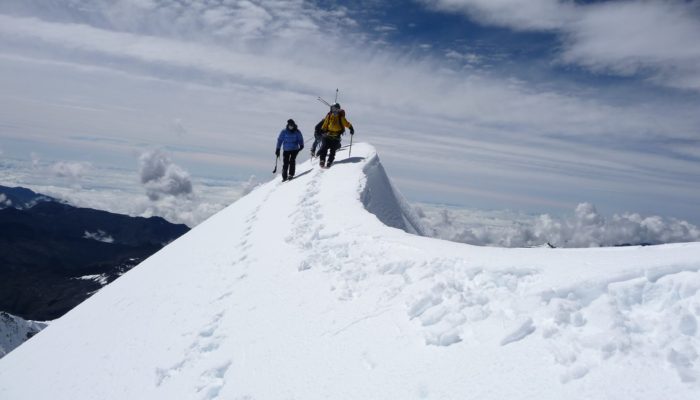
[333, 124]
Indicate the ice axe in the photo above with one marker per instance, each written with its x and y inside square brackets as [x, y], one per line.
[276, 159]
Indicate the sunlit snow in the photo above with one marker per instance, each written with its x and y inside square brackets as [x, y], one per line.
[297, 291]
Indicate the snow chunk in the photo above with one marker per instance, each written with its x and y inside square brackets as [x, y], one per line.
[525, 329]
[102, 279]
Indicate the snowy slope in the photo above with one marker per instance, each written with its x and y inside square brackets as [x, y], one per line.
[297, 292]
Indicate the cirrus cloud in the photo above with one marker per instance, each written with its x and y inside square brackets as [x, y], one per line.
[211, 80]
[654, 38]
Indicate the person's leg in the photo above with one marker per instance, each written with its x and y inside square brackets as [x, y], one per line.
[285, 164]
[292, 162]
[323, 152]
[333, 148]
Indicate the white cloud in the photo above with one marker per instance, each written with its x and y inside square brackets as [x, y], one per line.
[516, 14]
[213, 81]
[587, 227]
[471, 58]
[433, 90]
[69, 170]
[632, 37]
[100, 236]
[4, 201]
[161, 177]
[385, 28]
[623, 37]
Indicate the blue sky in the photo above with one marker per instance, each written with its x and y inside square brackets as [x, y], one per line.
[529, 105]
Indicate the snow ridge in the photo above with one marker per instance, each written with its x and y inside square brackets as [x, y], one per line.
[297, 291]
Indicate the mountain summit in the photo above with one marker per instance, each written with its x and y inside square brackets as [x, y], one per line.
[315, 289]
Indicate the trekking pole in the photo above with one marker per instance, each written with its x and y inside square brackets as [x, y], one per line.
[350, 150]
[276, 159]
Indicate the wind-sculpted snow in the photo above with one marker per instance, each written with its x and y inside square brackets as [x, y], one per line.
[383, 200]
[297, 291]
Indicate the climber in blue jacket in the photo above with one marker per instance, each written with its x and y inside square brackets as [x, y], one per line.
[292, 142]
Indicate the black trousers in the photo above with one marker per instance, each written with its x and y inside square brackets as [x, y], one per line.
[328, 144]
[289, 163]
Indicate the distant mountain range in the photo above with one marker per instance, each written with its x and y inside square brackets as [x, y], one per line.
[21, 198]
[14, 331]
[53, 255]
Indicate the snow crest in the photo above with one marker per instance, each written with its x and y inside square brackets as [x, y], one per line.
[381, 198]
[297, 291]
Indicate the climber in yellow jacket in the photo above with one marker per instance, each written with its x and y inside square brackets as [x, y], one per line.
[333, 126]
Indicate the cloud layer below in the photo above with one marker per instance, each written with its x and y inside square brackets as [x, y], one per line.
[586, 227]
[122, 191]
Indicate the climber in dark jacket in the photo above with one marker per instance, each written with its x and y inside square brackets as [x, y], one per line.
[292, 142]
[318, 137]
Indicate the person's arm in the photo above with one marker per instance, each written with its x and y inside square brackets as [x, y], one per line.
[326, 121]
[280, 138]
[348, 125]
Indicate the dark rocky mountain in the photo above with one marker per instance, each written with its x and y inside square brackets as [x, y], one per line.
[53, 255]
[21, 198]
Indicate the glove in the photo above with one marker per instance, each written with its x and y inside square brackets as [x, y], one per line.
[301, 148]
[277, 152]
[352, 130]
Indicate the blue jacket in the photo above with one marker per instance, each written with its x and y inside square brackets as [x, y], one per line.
[292, 140]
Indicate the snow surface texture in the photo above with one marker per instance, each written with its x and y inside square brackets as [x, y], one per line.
[14, 331]
[297, 292]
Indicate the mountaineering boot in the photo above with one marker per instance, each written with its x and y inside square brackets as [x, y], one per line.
[328, 164]
[321, 163]
[290, 177]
